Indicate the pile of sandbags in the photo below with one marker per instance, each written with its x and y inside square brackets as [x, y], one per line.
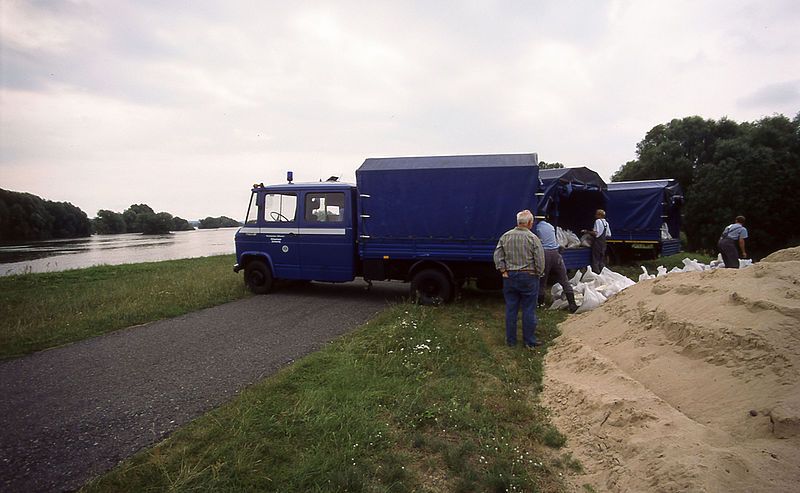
[691, 265]
[591, 290]
[566, 238]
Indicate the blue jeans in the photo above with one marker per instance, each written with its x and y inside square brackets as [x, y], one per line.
[520, 290]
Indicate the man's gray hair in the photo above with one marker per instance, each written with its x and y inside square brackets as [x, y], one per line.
[524, 217]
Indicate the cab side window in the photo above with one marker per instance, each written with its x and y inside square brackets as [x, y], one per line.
[280, 207]
[325, 207]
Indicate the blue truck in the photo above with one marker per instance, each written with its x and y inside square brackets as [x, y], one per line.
[570, 197]
[431, 221]
[637, 212]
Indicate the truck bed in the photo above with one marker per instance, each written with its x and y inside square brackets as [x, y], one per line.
[577, 258]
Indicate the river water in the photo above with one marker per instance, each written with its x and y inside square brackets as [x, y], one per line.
[57, 255]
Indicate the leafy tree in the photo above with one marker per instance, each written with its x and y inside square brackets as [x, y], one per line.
[218, 222]
[180, 224]
[109, 223]
[24, 216]
[757, 175]
[135, 215]
[139, 218]
[727, 169]
[154, 224]
[676, 149]
[68, 221]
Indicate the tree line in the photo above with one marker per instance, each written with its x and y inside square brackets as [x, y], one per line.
[24, 217]
[218, 222]
[727, 169]
[138, 218]
[27, 217]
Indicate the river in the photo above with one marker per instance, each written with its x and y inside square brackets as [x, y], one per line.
[57, 255]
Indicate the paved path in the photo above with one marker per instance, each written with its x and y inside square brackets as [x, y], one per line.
[74, 412]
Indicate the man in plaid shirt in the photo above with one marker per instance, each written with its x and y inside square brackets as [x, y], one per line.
[519, 257]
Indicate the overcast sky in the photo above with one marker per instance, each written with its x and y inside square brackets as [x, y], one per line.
[183, 105]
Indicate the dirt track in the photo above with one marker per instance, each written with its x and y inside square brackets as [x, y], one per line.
[74, 412]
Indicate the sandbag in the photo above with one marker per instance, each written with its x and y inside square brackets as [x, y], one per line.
[561, 238]
[556, 291]
[665, 232]
[566, 238]
[591, 300]
[614, 278]
[691, 265]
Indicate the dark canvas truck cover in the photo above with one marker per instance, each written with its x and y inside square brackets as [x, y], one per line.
[442, 207]
[571, 196]
[637, 209]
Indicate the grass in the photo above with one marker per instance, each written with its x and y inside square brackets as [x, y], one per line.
[419, 399]
[40, 311]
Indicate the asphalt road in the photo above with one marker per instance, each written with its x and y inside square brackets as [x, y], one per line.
[71, 413]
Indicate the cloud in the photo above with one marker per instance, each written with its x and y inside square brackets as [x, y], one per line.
[218, 95]
[781, 94]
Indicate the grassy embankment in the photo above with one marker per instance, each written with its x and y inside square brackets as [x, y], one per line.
[419, 399]
[46, 310]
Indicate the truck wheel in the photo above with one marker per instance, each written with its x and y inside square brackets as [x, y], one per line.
[258, 277]
[431, 287]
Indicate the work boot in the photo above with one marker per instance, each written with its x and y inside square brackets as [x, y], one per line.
[540, 300]
[571, 299]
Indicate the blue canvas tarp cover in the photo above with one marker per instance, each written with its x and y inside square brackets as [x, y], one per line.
[445, 200]
[636, 209]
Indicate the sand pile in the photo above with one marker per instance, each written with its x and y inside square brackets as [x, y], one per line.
[784, 255]
[688, 382]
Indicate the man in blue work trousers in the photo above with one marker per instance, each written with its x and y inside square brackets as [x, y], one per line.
[519, 257]
[733, 235]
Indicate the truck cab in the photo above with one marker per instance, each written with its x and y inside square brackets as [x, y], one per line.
[303, 231]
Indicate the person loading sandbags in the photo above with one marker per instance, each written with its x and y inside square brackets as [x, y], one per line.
[553, 262]
[731, 235]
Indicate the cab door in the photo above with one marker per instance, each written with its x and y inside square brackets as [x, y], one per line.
[327, 245]
[278, 233]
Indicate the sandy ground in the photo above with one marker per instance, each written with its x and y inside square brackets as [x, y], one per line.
[685, 383]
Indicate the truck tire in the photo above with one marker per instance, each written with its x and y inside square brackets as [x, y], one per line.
[258, 277]
[431, 287]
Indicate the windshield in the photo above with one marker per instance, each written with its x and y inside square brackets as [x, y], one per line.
[252, 210]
